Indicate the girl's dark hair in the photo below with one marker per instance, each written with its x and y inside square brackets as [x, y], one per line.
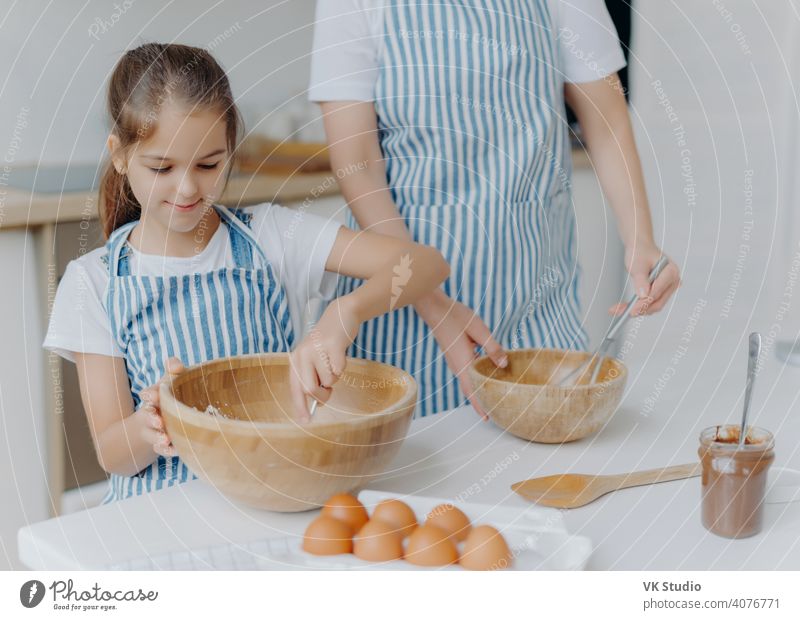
[144, 80]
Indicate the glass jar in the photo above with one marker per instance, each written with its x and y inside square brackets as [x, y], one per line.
[734, 479]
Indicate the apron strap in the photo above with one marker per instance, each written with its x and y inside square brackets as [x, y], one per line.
[117, 242]
[115, 245]
[244, 230]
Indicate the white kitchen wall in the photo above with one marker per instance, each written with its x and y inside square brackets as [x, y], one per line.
[59, 86]
[716, 113]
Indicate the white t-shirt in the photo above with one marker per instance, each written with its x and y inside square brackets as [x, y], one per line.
[348, 36]
[296, 243]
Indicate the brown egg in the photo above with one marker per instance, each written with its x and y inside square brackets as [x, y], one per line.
[378, 541]
[429, 545]
[398, 514]
[451, 520]
[485, 549]
[346, 508]
[328, 536]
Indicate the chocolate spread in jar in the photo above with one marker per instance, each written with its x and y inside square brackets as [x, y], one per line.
[734, 479]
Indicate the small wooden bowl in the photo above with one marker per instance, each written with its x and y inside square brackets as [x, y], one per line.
[258, 454]
[523, 399]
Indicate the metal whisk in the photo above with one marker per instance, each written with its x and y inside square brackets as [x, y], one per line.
[596, 358]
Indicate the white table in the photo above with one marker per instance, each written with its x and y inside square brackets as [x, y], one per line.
[455, 455]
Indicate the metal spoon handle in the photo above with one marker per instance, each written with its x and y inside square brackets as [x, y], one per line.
[619, 321]
[654, 273]
[752, 363]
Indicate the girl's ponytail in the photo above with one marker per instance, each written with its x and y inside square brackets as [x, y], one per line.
[118, 205]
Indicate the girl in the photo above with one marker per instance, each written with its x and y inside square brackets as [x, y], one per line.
[458, 109]
[182, 277]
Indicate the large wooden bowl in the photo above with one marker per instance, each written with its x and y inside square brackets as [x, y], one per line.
[256, 453]
[523, 399]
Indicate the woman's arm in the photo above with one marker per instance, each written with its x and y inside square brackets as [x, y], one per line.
[602, 112]
[352, 131]
[125, 440]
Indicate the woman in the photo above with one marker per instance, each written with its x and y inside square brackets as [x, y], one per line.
[448, 118]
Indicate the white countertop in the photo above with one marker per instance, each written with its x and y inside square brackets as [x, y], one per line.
[455, 455]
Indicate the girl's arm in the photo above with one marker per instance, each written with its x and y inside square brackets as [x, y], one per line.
[126, 441]
[397, 273]
[352, 133]
[605, 123]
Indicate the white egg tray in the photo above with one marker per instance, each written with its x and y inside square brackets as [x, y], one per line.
[537, 537]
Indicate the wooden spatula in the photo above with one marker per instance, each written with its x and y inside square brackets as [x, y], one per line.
[574, 490]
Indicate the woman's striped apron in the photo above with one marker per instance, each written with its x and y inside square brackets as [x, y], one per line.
[471, 120]
[195, 317]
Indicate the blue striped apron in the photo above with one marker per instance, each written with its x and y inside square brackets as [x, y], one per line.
[472, 125]
[195, 317]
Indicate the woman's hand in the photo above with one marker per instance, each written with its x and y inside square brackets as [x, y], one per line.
[320, 359]
[459, 331]
[155, 433]
[639, 261]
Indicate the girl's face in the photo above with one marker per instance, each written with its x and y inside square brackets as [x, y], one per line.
[178, 171]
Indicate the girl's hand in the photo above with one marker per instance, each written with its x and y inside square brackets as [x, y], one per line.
[639, 261]
[155, 433]
[320, 359]
[459, 331]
